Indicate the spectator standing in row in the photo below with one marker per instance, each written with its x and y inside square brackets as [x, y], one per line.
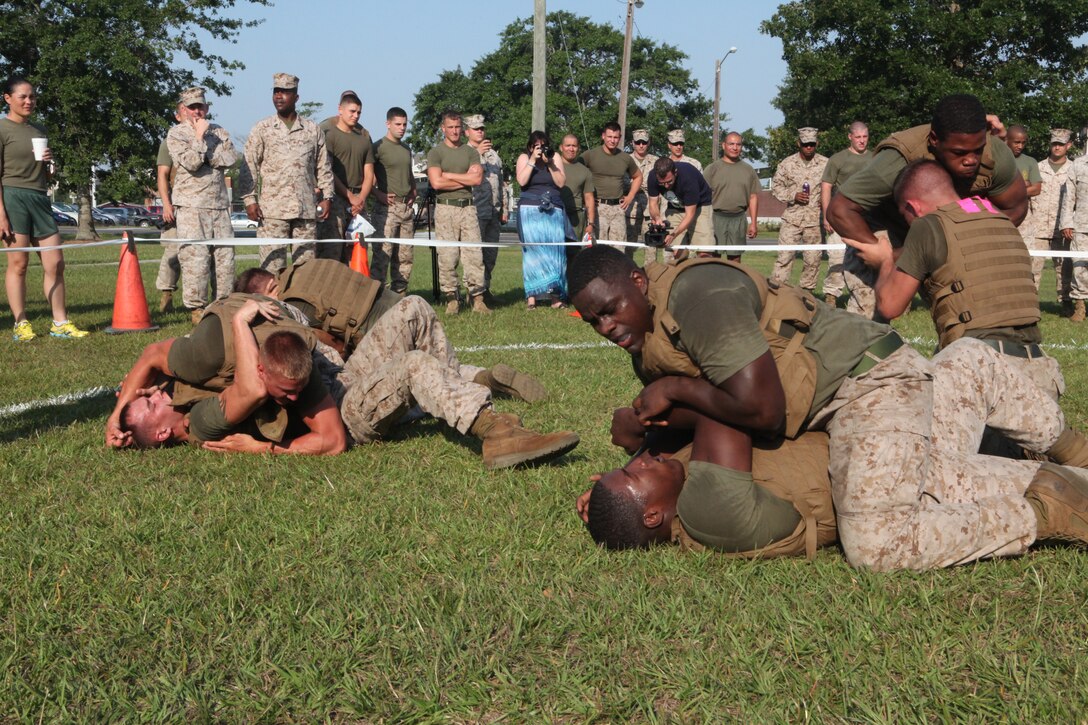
[394, 195]
[636, 213]
[488, 196]
[542, 222]
[735, 189]
[1074, 226]
[202, 152]
[454, 169]
[578, 193]
[286, 154]
[26, 219]
[840, 167]
[610, 164]
[351, 156]
[688, 207]
[1045, 210]
[676, 149]
[796, 182]
[169, 267]
[1016, 138]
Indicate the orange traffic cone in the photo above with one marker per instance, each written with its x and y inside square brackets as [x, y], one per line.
[130, 313]
[358, 257]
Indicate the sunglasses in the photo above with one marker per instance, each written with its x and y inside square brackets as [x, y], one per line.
[808, 145]
[641, 143]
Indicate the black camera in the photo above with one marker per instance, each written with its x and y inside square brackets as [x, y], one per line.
[656, 233]
[546, 153]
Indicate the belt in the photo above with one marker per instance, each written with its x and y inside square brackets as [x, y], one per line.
[1015, 349]
[355, 189]
[742, 212]
[609, 202]
[878, 351]
[454, 202]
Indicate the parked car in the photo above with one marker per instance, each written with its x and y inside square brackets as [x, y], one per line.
[132, 215]
[101, 217]
[239, 220]
[62, 219]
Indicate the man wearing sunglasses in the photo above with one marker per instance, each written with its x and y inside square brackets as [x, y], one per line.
[796, 183]
[676, 149]
[636, 213]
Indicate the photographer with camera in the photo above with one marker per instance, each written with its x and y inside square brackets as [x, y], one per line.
[542, 221]
[688, 209]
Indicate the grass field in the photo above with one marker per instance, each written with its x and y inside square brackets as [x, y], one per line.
[402, 582]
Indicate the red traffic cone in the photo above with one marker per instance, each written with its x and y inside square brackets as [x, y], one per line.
[358, 257]
[130, 313]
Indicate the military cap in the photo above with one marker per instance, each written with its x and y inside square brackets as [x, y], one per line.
[641, 135]
[191, 96]
[807, 134]
[474, 121]
[1060, 135]
[285, 81]
[676, 135]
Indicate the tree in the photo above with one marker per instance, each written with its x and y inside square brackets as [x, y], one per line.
[583, 74]
[106, 77]
[888, 62]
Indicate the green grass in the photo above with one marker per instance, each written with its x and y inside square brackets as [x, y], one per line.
[402, 582]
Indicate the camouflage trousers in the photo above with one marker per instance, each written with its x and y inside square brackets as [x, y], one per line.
[612, 226]
[274, 256]
[489, 234]
[395, 221]
[459, 224]
[201, 264]
[901, 500]
[834, 282]
[860, 280]
[169, 266]
[1079, 289]
[783, 265]
[403, 361]
[334, 227]
[1037, 263]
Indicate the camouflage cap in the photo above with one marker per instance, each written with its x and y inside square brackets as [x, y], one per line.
[284, 80]
[641, 135]
[192, 96]
[474, 121]
[1060, 135]
[807, 135]
[676, 135]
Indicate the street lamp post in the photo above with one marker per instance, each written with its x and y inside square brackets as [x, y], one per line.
[718, 97]
[625, 75]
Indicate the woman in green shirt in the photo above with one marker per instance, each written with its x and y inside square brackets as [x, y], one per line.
[26, 218]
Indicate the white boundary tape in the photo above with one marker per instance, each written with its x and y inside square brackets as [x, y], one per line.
[417, 242]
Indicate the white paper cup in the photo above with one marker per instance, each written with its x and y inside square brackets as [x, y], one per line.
[40, 145]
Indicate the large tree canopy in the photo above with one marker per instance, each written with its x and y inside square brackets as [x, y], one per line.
[583, 73]
[888, 62]
[108, 73]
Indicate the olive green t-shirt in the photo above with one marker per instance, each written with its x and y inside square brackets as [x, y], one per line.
[454, 161]
[608, 171]
[1029, 169]
[731, 185]
[723, 343]
[21, 170]
[207, 419]
[843, 165]
[164, 158]
[348, 152]
[925, 251]
[579, 181]
[392, 167]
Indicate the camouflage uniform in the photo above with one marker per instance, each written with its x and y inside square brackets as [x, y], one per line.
[688, 160]
[290, 163]
[169, 267]
[403, 361]
[637, 218]
[459, 224]
[1045, 210]
[488, 200]
[800, 222]
[395, 220]
[203, 209]
[1074, 215]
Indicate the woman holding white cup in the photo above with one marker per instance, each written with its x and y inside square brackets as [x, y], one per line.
[26, 217]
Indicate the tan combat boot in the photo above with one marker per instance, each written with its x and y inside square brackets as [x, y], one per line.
[195, 315]
[166, 301]
[1071, 449]
[507, 445]
[831, 300]
[478, 304]
[453, 305]
[506, 380]
[1059, 497]
[1078, 311]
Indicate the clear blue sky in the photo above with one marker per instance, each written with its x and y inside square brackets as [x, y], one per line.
[386, 51]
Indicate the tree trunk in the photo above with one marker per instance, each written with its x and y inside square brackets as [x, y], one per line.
[85, 231]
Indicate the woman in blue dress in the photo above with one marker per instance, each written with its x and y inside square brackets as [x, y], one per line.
[542, 222]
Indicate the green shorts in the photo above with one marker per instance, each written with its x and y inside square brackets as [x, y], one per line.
[730, 228]
[29, 212]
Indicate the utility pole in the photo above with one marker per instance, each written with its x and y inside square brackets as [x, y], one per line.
[625, 75]
[540, 65]
[718, 99]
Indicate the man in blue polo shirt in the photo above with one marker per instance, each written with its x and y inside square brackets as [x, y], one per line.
[688, 207]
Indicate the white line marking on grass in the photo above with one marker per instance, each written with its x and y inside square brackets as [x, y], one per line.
[57, 400]
[536, 346]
